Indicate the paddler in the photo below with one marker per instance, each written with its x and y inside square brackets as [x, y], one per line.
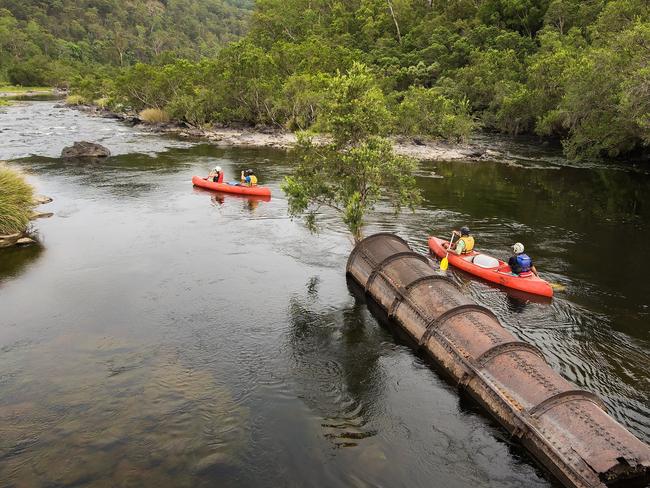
[465, 243]
[521, 264]
[216, 175]
[248, 178]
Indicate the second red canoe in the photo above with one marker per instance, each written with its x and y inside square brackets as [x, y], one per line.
[491, 269]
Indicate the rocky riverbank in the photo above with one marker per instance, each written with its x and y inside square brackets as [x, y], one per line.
[275, 138]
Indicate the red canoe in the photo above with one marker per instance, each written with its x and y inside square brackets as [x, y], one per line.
[491, 269]
[228, 188]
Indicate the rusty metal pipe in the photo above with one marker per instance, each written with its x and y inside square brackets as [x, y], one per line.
[565, 428]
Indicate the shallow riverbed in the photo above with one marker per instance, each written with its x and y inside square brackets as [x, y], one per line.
[164, 335]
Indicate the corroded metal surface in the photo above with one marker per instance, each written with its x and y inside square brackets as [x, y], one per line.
[567, 429]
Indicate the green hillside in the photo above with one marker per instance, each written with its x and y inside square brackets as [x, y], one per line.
[44, 41]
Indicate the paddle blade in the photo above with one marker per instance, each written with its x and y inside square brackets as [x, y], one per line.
[444, 264]
[557, 287]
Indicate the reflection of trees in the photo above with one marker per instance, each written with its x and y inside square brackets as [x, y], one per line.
[577, 195]
[335, 356]
[14, 260]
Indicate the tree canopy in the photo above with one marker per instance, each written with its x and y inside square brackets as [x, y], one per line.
[569, 69]
[50, 41]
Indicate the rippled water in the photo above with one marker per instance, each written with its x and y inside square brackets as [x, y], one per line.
[166, 335]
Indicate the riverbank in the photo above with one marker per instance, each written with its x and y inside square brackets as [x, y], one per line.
[17, 203]
[10, 91]
[419, 149]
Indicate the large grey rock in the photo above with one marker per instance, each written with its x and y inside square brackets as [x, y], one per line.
[85, 150]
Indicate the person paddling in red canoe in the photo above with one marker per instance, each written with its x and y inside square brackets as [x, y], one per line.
[248, 178]
[521, 264]
[465, 243]
[216, 175]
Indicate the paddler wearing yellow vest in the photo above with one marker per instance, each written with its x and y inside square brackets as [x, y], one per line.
[465, 243]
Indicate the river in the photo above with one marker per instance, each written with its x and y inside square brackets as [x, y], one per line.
[161, 335]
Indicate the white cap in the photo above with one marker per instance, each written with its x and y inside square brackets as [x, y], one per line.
[518, 248]
[217, 169]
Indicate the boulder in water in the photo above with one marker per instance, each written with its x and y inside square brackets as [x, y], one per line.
[85, 150]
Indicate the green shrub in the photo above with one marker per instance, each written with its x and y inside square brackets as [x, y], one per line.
[102, 102]
[425, 112]
[75, 100]
[16, 201]
[153, 116]
[36, 71]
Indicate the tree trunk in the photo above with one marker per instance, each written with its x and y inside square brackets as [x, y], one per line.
[392, 13]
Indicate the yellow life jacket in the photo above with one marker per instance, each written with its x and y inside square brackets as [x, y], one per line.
[469, 244]
[253, 180]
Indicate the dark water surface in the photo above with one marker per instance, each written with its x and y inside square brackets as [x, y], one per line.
[167, 336]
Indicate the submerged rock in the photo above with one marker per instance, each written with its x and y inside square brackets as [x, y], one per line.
[40, 215]
[42, 199]
[85, 150]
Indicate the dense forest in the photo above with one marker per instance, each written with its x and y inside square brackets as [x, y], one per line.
[51, 41]
[577, 70]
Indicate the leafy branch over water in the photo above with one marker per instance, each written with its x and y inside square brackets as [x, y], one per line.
[358, 167]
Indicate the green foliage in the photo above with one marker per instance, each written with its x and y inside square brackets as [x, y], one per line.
[45, 43]
[426, 112]
[16, 201]
[564, 68]
[74, 100]
[358, 168]
[355, 108]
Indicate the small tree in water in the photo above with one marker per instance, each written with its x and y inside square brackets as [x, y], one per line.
[358, 167]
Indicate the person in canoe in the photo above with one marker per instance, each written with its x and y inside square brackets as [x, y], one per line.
[465, 242]
[248, 178]
[216, 175]
[521, 264]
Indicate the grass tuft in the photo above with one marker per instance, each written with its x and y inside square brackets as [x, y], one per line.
[154, 116]
[102, 102]
[16, 201]
[75, 100]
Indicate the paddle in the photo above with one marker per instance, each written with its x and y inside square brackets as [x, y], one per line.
[557, 286]
[444, 264]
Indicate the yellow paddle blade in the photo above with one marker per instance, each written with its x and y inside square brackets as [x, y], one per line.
[557, 287]
[444, 264]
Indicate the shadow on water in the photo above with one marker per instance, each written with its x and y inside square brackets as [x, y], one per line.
[335, 354]
[16, 260]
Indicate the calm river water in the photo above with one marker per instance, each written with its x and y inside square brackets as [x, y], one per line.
[166, 336]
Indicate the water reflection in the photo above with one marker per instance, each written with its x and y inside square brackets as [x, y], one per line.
[15, 260]
[335, 356]
[249, 202]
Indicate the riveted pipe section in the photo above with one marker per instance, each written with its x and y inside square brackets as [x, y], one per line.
[565, 428]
